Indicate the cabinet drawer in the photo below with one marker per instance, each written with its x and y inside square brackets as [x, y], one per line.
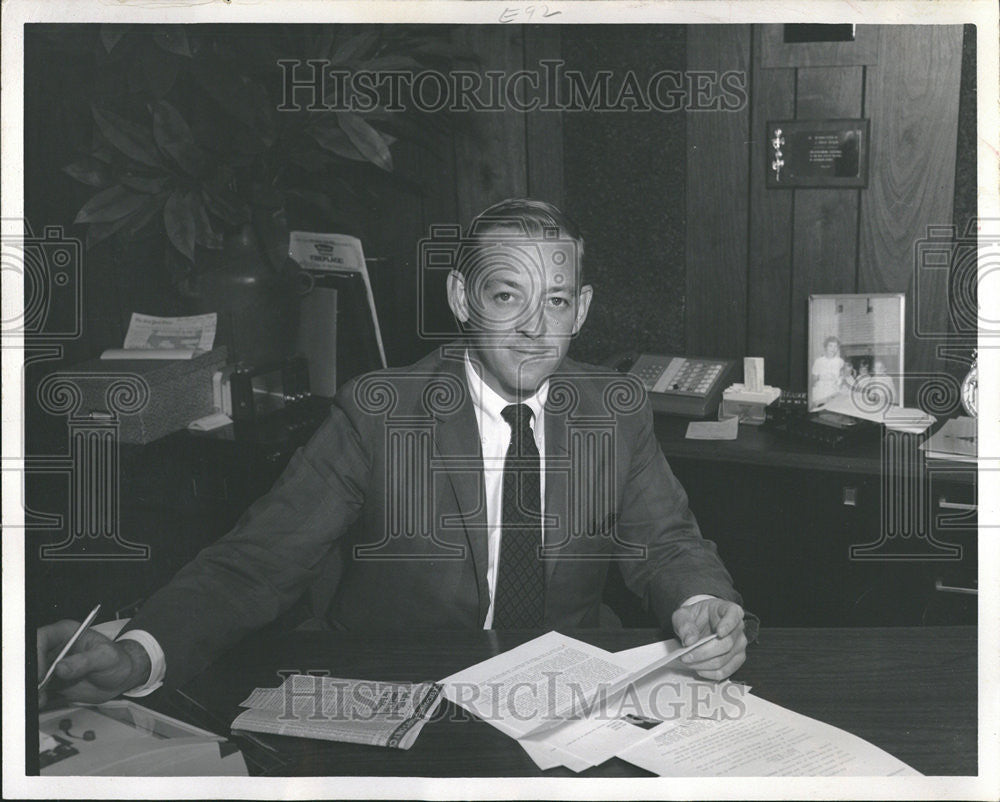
[820, 548]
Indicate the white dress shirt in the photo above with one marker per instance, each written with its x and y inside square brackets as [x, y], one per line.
[494, 437]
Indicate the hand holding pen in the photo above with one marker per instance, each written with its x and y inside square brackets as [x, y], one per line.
[82, 665]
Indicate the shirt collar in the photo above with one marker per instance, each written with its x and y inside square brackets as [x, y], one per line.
[489, 404]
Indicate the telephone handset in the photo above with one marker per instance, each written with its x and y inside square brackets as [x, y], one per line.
[680, 385]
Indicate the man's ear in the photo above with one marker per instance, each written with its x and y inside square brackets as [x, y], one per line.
[456, 296]
[582, 306]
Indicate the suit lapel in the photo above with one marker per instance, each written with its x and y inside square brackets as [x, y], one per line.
[456, 436]
[570, 509]
[556, 472]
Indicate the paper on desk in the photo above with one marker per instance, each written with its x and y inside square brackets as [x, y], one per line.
[653, 653]
[624, 721]
[612, 725]
[764, 740]
[956, 440]
[903, 419]
[215, 420]
[547, 756]
[907, 419]
[537, 684]
[725, 429]
[151, 337]
[350, 710]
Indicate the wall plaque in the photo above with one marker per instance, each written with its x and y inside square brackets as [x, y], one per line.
[817, 153]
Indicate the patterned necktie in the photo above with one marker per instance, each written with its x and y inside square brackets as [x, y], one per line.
[519, 602]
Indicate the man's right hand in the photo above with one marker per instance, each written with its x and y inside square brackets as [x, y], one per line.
[96, 668]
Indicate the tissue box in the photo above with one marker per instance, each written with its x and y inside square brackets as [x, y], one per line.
[748, 406]
[180, 391]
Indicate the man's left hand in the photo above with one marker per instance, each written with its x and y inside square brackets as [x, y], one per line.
[718, 658]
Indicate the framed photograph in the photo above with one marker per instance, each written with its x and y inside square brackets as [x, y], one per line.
[856, 353]
[817, 153]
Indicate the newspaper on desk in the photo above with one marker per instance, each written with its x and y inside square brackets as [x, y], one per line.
[351, 710]
[151, 337]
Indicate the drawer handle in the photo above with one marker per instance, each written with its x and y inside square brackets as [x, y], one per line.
[943, 588]
[944, 504]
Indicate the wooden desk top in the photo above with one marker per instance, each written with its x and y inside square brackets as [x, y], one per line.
[759, 445]
[911, 691]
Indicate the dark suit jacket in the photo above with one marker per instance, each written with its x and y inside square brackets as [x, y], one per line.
[393, 481]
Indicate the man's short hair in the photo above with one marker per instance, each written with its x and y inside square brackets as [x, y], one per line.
[533, 219]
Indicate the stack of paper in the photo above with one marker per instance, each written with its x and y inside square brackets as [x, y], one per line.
[331, 709]
[902, 419]
[571, 704]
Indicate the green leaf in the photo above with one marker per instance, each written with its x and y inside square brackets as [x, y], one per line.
[245, 100]
[169, 126]
[89, 170]
[140, 219]
[312, 160]
[109, 206]
[224, 204]
[330, 137]
[157, 72]
[447, 50]
[100, 148]
[355, 47]
[173, 135]
[98, 232]
[271, 227]
[320, 46]
[179, 222]
[150, 185]
[172, 39]
[204, 234]
[111, 35]
[133, 140]
[392, 61]
[317, 200]
[128, 225]
[366, 139]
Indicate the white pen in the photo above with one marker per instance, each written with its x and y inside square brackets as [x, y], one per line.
[69, 645]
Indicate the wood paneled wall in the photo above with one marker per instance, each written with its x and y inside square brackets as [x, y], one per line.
[754, 254]
[488, 157]
[741, 264]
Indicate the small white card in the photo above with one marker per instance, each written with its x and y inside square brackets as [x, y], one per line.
[725, 429]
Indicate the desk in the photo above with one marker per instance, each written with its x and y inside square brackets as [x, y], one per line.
[816, 538]
[911, 691]
[789, 517]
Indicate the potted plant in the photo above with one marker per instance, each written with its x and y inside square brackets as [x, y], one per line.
[193, 138]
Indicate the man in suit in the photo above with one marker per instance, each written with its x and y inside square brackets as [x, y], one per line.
[491, 484]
